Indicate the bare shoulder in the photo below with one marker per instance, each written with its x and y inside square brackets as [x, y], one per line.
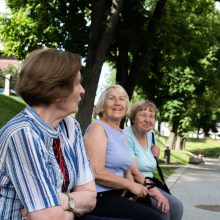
[95, 136]
[94, 129]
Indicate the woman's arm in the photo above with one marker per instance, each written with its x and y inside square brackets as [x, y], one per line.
[84, 197]
[128, 175]
[96, 144]
[155, 151]
[52, 213]
[138, 176]
[162, 201]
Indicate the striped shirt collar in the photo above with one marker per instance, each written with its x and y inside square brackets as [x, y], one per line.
[54, 133]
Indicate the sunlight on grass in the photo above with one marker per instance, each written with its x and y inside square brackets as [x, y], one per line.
[167, 171]
[9, 107]
[210, 147]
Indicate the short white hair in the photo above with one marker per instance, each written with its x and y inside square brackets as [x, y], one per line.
[98, 110]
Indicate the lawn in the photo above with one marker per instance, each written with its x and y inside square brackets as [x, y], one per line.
[210, 147]
[9, 107]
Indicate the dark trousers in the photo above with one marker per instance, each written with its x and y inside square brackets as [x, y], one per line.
[93, 217]
[110, 204]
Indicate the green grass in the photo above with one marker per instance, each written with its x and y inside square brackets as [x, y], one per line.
[9, 107]
[167, 171]
[176, 157]
[193, 147]
[210, 147]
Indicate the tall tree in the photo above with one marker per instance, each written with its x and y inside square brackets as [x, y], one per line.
[184, 74]
[101, 36]
[134, 40]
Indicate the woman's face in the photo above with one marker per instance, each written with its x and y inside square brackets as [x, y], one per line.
[145, 120]
[71, 104]
[115, 105]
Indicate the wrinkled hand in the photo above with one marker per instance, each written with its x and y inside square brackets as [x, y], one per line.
[156, 151]
[69, 215]
[138, 190]
[162, 201]
[24, 214]
[63, 201]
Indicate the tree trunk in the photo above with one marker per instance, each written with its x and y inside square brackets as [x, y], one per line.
[99, 43]
[171, 140]
[122, 61]
[183, 144]
[142, 57]
[179, 143]
[173, 134]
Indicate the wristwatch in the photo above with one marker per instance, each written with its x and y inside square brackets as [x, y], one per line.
[71, 203]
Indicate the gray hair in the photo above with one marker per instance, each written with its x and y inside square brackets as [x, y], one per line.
[98, 110]
[141, 105]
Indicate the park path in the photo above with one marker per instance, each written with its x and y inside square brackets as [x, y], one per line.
[198, 187]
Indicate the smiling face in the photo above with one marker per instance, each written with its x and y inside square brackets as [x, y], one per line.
[70, 104]
[115, 105]
[144, 120]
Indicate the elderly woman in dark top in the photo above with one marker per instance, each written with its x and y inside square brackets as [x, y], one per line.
[44, 170]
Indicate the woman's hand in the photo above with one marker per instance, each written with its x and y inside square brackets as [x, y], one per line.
[69, 215]
[63, 201]
[85, 202]
[55, 213]
[84, 197]
[24, 214]
[156, 151]
[138, 190]
[162, 201]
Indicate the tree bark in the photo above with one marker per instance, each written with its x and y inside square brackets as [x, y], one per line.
[142, 57]
[171, 142]
[178, 145]
[99, 43]
[122, 61]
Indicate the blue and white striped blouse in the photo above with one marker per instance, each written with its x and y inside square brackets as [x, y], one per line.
[30, 176]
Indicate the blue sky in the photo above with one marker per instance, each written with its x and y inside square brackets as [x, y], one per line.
[2, 6]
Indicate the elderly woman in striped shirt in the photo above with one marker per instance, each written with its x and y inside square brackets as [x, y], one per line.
[44, 171]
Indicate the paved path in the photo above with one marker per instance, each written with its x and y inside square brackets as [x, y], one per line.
[198, 185]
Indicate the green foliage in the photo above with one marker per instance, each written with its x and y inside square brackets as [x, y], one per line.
[184, 76]
[36, 24]
[9, 107]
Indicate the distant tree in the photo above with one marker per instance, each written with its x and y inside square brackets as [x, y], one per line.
[184, 72]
